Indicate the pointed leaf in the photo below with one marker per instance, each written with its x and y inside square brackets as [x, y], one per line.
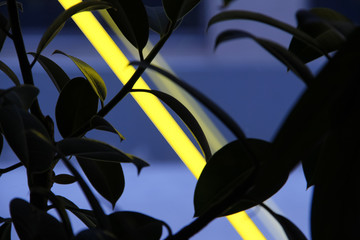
[97, 83]
[158, 20]
[86, 216]
[9, 73]
[56, 74]
[287, 58]
[290, 229]
[40, 154]
[247, 15]
[4, 29]
[100, 123]
[32, 223]
[225, 118]
[76, 105]
[22, 96]
[133, 226]
[97, 151]
[322, 25]
[59, 22]
[186, 116]
[229, 168]
[177, 9]
[64, 179]
[12, 126]
[131, 18]
[106, 177]
[5, 231]
[317, 111]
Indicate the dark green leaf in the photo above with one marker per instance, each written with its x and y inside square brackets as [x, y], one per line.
[96, 150]
[317, 111]
[64, 179]
[56, 74]
[228, 168]
[322, 25]
[246, 15]
[135, 226]
[12, 126]
[86, 216]
[9, 73]
[100, 123]
[94, 234]
[131, 18]
[106, 177]
[287, 58]
[290, 229]
[177, 9]
[210, 104]
[186, 116]
[97, 83]
[59, 22]
[76, 105]
[4, 29]
[22, 96]
[32, 223]
[158, 20]
[40, 154]
[5, 231]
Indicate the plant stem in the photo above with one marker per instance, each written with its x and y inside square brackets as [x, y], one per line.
[21, 53]
[9, 169]
[139, 71]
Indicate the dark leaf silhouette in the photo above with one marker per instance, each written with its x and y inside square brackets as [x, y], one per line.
[177, 9]
[76, 105]
[9, 73]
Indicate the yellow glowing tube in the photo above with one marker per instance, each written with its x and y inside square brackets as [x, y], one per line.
[153, 108]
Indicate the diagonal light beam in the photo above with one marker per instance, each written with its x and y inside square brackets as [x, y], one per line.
[153, 108]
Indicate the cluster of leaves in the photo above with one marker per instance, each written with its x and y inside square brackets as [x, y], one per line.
[320, 131]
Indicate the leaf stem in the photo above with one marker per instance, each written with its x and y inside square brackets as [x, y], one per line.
[9, 169]
[139, 71]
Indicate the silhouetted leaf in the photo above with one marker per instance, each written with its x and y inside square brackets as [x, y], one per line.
[22, 96]
[287, 58]
[226, 3]
[94, 234]
[64, 179]
[59, 22]
[134, 226]
[5, 231]
[76, 105]
[12, 126]
[56, 74]
[9, 73]
[86, 216]
[100, 123]
[225, 118]
[229, 168]
[186, 116]
[290, 229]
[131, 18]
[177, 9]
[40, 154]
[247, 15]
[32, 223]
[106, 177]
[97, 83]
[317, 111]
[4, 29]
[158, 20]
[326, 26]
[98, 151]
